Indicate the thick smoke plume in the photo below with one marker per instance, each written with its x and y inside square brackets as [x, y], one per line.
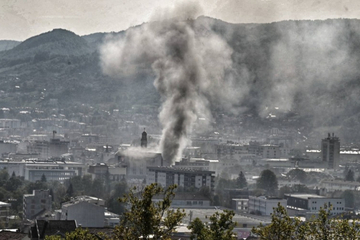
[190, 63]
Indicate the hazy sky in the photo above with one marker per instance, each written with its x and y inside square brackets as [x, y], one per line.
[21, 19]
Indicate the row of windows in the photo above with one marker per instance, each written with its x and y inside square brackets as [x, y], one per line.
[53, 174]
[194, 203]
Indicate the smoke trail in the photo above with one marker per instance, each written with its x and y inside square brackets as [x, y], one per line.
[190, 62]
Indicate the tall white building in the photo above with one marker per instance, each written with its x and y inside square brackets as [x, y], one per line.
[330, 151]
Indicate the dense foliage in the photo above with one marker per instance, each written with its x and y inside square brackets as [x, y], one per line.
[268, 182]
[220, 226]
[324, 226]
[147, 219]
[78, 234]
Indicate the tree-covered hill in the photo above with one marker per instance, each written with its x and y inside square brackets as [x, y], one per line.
[7, 44]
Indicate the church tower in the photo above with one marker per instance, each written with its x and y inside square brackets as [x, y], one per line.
[144, 139]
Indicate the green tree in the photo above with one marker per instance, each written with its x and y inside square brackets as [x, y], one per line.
[241, 180]
[4, 176]
[321, 227]
[349, 198]
[113, 203]
[4, 194]
[267, 181]
[350, 176]
[13, 183]
[78, 234]
[77, 185]
[297, 174]
[43, 178]
[217, 200]
[358, 179]
[38, 185]
[87, 184]
[97, 188]
[282, 227]
[51, 193]
[220, 226]
[199, 230]
[70, 190]
[205, 191]
[148, 219]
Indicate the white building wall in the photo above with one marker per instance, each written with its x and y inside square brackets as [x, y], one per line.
[161, 178]
[240, 204]
[36, 202]
[271, 151]
[338, 185]
[181, 183]
[338, 204]
[150, 177]
[7, 147]
[198, 181]
[176, 179]
[263, 205]
[17, 167]
[208, 181]
[86, 214]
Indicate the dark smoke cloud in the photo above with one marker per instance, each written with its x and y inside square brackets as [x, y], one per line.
[190, 63]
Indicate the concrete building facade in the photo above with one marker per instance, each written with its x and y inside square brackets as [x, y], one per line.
[87, 211]
[185, 178]
[32, 170]
[136, 163]
[264, 205]
[313, 203]
[47, 149]
[36, 203]
[330, 151]
[4, 211]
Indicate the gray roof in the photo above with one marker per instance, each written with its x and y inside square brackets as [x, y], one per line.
[180, 170]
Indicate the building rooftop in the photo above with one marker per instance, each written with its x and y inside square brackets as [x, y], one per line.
[349, 152]
[53, 227]
[276, 159]
[267, 197]
[7, 234]
[88, 199]
[185, 196]
[4, 204]
[340, 182]
[304, 196]
[204, 213]
[180, 169]
[313, 151]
